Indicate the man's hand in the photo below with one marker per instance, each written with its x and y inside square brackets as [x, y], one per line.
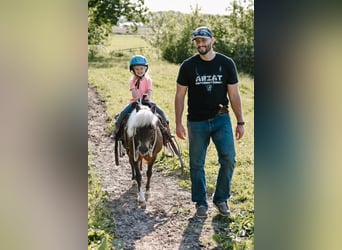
[239, 131]
[180, 131]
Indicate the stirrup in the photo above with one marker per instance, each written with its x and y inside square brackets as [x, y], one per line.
[115, 134]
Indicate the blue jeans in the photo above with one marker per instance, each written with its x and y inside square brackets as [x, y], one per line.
[219, 129]
[128, 109]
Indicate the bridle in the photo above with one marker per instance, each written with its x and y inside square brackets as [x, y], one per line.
[150, 150]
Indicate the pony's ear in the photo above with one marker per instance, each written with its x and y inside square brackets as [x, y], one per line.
[137, 107]
[153, 109]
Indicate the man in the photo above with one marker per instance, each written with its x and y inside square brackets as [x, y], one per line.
[210, 78]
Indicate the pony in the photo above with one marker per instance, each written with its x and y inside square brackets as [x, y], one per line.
[143, 141]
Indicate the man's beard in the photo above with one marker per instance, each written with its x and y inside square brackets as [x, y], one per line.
[203, 52]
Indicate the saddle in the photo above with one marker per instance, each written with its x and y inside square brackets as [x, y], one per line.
[164, 127]
[119, 134]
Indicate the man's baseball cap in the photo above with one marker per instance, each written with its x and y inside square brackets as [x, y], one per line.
[202, 32]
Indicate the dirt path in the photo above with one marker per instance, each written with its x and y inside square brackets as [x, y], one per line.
[168, 221]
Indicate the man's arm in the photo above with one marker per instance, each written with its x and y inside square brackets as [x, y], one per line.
[236, 104]
[179, 108]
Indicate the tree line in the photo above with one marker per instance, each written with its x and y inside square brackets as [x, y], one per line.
[171, 31]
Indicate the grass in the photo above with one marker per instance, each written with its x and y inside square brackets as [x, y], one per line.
[109, 72]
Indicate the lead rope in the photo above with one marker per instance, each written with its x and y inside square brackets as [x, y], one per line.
[135, 153]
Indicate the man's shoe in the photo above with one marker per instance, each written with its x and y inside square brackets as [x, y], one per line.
[201, 211]
[222, 208]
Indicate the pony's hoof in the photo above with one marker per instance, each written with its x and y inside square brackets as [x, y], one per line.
[142, 205]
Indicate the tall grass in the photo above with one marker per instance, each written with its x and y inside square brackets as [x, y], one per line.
[110, 74]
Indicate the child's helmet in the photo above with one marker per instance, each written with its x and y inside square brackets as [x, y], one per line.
[138, 60]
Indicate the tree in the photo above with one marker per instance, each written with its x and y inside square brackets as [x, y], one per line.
[103, 14]
[172, 33]
[235, 36]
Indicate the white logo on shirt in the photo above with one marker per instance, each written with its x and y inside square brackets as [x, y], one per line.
[209, 79]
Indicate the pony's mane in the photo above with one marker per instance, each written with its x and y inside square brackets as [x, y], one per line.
[144, 117]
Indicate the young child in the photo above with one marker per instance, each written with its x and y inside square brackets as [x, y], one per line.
[141, 87]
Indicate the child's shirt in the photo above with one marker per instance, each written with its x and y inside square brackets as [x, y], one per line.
[144, 86]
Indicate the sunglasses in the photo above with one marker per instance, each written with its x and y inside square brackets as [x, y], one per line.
[202, 33]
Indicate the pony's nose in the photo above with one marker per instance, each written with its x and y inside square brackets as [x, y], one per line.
[143, 149]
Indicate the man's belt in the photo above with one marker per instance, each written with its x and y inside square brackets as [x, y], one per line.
[222, 110]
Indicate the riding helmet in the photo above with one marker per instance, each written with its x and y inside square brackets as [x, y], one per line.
[138, 60]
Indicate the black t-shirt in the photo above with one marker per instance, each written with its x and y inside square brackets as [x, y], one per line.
[207, 84]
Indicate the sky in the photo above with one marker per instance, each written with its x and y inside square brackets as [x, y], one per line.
[207, 6]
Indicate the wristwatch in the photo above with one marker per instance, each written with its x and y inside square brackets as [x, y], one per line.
[241, 123]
